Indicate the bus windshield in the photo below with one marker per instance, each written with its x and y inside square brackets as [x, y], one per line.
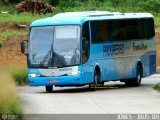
[54, 46]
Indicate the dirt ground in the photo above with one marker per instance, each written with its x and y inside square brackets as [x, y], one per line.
[11, 54]
[10, 51]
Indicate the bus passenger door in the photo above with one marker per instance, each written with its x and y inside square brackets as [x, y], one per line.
[87, 68]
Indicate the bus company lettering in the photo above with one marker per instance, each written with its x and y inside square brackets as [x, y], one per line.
[113, 49]
[139, 47]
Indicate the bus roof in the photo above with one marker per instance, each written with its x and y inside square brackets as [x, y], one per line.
[80, 17]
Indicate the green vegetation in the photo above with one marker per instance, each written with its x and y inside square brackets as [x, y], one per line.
[152, 6]
[157, 86]
[1, 43]
[10, 103]
[113, 5]
[12, 33]
[19, 75]
[15, 17]
[9, 33]
[108, 5]
[157, 20]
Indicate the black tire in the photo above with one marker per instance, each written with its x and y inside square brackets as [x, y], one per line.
[93, 86]
[136, 81]
[49, 89]
[128, 82]
[101, 83]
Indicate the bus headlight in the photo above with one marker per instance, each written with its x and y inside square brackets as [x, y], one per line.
[33, 75]
[74, 73]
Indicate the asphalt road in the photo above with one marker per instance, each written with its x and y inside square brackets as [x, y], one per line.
[114, 98]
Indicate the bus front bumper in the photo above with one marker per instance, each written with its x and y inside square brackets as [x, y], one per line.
[74, 80]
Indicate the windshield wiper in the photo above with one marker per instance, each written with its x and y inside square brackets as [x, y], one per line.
[47, 57]
[58, 60]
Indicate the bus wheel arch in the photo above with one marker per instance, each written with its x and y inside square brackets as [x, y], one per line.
[97, 70]
[96, 78]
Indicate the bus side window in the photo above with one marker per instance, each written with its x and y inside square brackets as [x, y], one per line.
[123, 30]
[85, 42]
[132, 29]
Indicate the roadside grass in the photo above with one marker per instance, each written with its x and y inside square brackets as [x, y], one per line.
[19, 75]
[10, 103]
[15, 17]
[1, 43]
[158, 71]
[157, 19]
[157, 30]
[7, 7]
[9, 33]
[157, 23]
[77, 5]
[157, 86]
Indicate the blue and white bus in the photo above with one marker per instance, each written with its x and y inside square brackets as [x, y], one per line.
[90, 48]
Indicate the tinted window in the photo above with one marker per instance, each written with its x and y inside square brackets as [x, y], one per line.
[145, 28]
[100, 31]
[85, 42]
[128, 29]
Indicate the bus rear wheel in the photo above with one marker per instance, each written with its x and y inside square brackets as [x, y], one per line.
[136, 81]
[49, 89]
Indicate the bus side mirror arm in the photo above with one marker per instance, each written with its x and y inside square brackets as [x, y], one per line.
[86, 45]
[24, 44]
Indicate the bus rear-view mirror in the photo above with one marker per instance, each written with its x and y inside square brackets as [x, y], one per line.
[24, 46]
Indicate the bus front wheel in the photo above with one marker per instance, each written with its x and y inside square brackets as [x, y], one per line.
[93, 86]
[49, 89]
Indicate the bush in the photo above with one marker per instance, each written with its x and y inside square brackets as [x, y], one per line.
[70, 3]
[46, 1]
[10, 103]
[151, 5]
[11, 1]
[54, 2]
[19, 75]
[157, 86]
[1, 43]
